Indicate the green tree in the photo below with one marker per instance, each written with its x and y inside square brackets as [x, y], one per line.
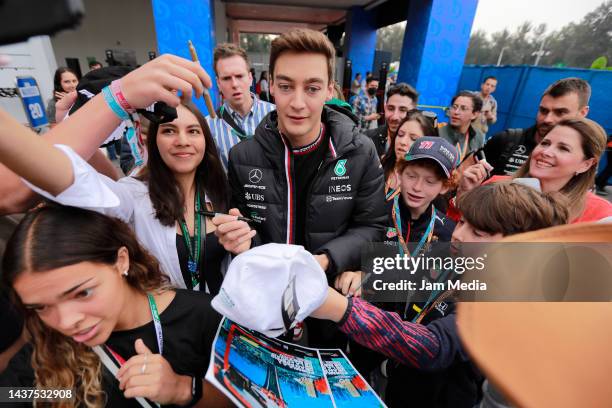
[577, 44]
[599, 63]
[252, 42]
[480, 48]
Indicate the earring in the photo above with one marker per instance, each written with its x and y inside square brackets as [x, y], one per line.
[577, 173]
[125, 273]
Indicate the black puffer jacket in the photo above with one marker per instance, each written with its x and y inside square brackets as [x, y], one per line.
[379, 137]
[508, 150]
[345, 202]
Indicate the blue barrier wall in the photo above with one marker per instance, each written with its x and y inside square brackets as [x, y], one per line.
[360, 42]
[520, 87]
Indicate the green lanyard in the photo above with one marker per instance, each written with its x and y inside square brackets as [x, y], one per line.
[156, 323]
[193, 247]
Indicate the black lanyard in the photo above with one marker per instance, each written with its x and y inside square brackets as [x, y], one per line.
[237, 130]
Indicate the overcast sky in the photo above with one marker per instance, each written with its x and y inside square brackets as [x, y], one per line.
[495, 15]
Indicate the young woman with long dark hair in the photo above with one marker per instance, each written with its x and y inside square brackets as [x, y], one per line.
[163, 203]
[94, 299]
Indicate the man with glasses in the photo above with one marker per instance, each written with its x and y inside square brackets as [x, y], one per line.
[465, 107]
[401, 98]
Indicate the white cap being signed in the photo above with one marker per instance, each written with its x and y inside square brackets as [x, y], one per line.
[272, 287]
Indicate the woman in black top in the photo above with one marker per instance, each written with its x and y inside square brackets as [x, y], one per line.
[92, 295]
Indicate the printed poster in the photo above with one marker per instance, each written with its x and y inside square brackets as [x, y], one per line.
[256, 371]
[348, 387]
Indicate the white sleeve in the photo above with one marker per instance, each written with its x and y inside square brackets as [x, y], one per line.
[92, 190]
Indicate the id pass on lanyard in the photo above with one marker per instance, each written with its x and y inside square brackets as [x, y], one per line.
[158, 330]
[426, 238]
[194, 247]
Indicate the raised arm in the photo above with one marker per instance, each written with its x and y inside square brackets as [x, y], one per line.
[35, 159]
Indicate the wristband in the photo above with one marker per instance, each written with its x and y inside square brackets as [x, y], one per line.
[114, 105]
[116, 88]
[131, 135]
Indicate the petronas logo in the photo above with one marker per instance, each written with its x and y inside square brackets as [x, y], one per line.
[340, 168]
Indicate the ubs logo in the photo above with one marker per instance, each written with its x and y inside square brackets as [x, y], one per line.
[254, 197]
[255, 176]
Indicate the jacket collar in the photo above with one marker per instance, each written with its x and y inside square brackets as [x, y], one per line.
[460, 136]
[340, 129]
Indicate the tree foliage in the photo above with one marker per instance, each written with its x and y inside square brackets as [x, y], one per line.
[391, 38]
[254, 42]
[574, 45]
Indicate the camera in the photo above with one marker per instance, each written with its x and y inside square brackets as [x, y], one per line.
[22, 19]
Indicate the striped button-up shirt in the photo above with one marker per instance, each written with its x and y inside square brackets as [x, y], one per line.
[223, 134]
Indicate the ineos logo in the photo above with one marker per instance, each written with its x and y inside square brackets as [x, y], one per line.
[255, 176]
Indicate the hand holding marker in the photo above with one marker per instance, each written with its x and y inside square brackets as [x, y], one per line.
[213, 214]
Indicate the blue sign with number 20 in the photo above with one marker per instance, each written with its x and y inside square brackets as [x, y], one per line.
[32, 101]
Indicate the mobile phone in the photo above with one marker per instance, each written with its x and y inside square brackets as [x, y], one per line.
[529, 182]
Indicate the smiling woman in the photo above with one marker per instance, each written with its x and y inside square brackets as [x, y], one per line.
[564, 161]
[165, 203]
[183, 177]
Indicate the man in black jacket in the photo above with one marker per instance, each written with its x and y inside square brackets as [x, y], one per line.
[401, 98]
[307, 177]
[564, 99]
